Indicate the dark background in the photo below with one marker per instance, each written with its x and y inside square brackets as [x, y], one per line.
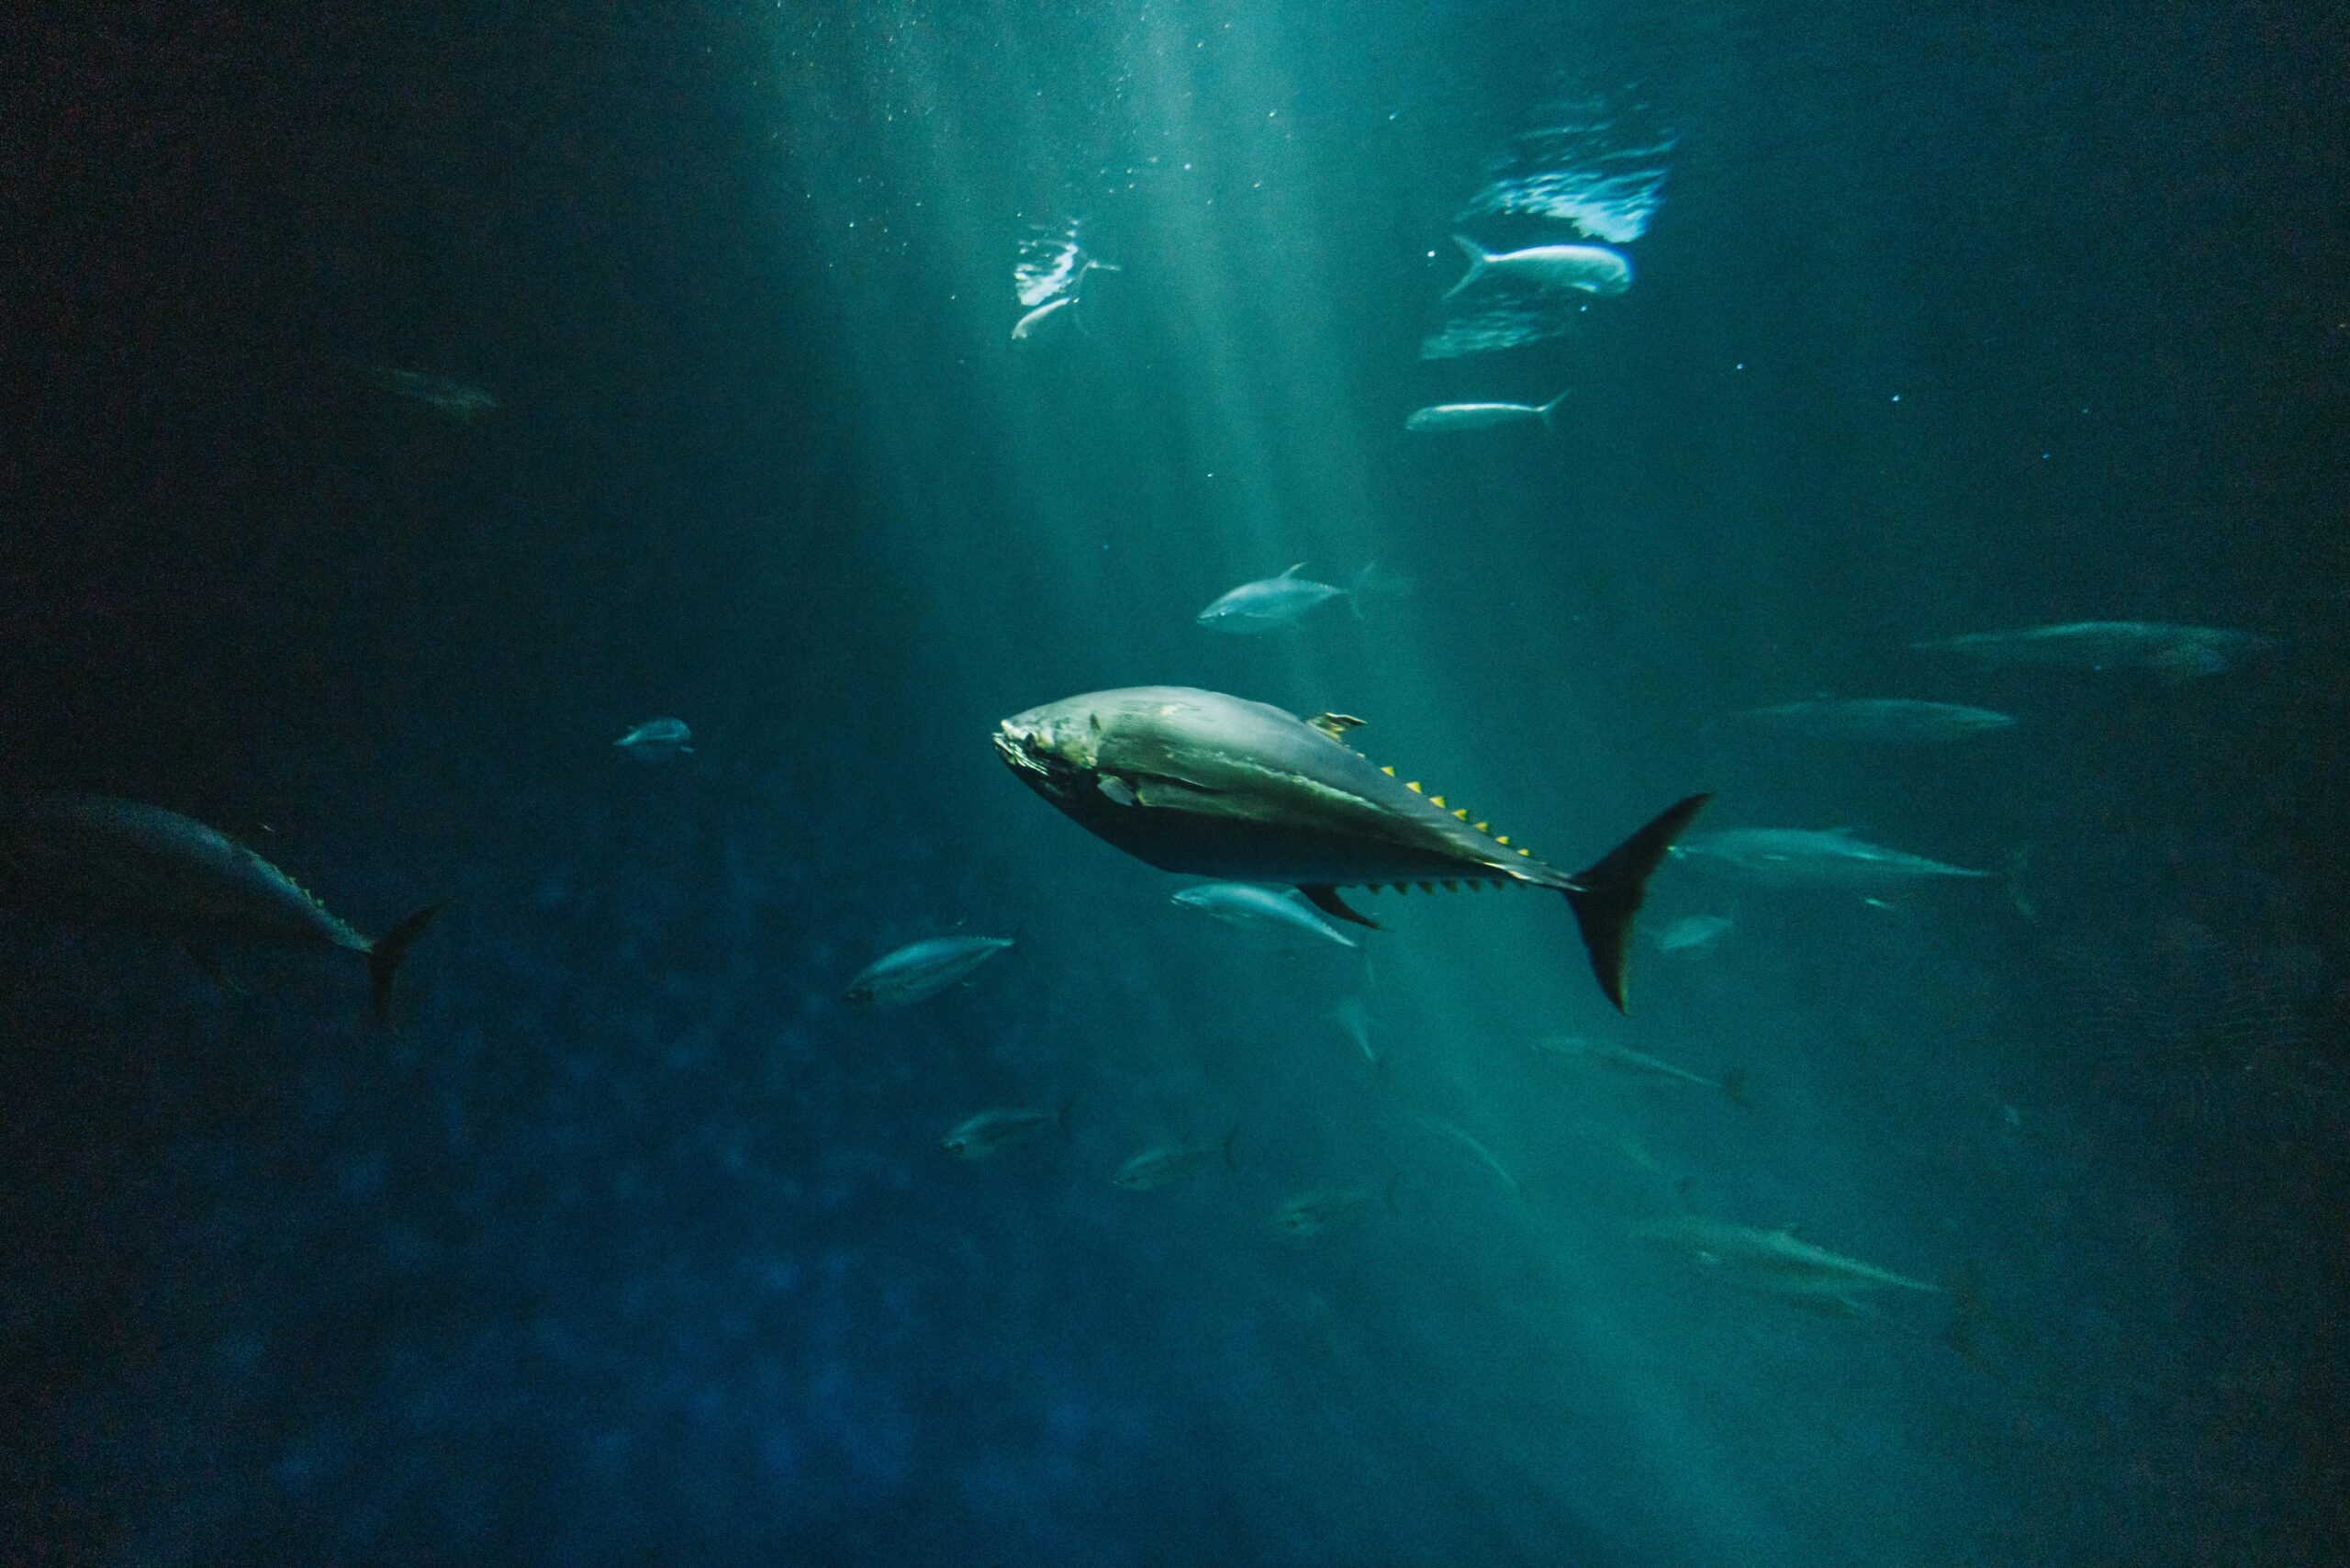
[632, 1245]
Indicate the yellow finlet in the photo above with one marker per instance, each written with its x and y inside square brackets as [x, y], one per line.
[1462, 813]
[1483, 826]
[1502, 839]
[1414, 786]
[1389, 771]
[1526, 852]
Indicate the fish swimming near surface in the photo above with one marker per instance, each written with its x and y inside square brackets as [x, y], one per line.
[1693, 931]
[460, 400]
[93, 860]
[994, 1130]
[1171, 1162]
[2174, 650]
[657, 740]
[1027, 325]
[1894, 719]
[1218, 786]
[1588, 269]
[1446, 418]
[1269, 602]
[1809, 858]
[1328, 1208]
[1277, 913]
[921, 969]
[1622, 1060]
[1777, 1262]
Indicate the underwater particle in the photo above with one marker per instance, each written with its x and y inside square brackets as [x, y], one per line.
[656, 740]
[921, 969]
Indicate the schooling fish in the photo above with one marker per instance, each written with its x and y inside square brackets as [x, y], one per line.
[1327, 1208]
[1592, 269]
[1896, 720]
[1630, 1063]
[921, 969]
[1156, 1168]
[2109, 644]
[1277, 601]
[97, 861]
[657, 740]
[1777, 1262]
[1278, 914]
[1442, 418]
[1000, 1128]
[1809, 858]
[1218, 786]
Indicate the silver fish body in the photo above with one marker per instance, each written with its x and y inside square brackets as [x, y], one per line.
[98, 861]
[1893, 719]
[1218, 786]
[921, 969]
[1277, 915]
[991, 1131]
[1446, 418]
[1329, 1208]
[1809, 858]
[1777, 1262]
[1693, 931]
[657, 740]
[2109, 644]
[460, 400]
[1586, 269]
[1269, 602]
[1168, 1163]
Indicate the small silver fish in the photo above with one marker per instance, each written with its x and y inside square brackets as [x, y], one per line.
[1278, 914]
[1445, 418]
[1353, 1018]
[1461, 1138]
[1693, 931]
[997, 1129]
[1327, 1208]
[1895, 720]
[1809, 858]
[97, 861]
[1623, 1059]
[2176, 650]
[656, 740]
[1589, 269]
[460, 400]
[1269, 602]
[921, 969]
[1026, 326]
[1156, 1168]
[1776, 1262]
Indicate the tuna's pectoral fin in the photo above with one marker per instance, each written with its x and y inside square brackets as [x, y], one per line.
[1326, 898]
[209, 962]
[384, 956]
[1607, 895]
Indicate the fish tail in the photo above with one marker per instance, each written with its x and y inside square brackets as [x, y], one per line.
[1546, 409]
[386, 953]
[1608, 894]
[1478, 258]
[1230, 1163]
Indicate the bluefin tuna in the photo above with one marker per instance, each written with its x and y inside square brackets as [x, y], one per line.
[1589, 269]
[657, 740]
[1269, 602]
[999, 1128]
[1898, 721]
[1156, 1168]
[1777, 1262]
[1276, 913]
[1328, 1208]
[1809, 858]
[1218, 786]
[92, 860]
[921, 969]
[2176, 650]
[1446, 418]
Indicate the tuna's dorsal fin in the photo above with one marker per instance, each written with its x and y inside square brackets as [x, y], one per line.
[1335, 725]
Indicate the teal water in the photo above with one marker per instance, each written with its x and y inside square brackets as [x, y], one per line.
[636, 1242]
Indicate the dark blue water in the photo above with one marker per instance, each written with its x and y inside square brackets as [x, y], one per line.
[635, 1244]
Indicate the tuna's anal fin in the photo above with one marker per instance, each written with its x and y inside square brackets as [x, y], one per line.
[209, 962]
[1327, 899]
[1608, 894]
[384, 958]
